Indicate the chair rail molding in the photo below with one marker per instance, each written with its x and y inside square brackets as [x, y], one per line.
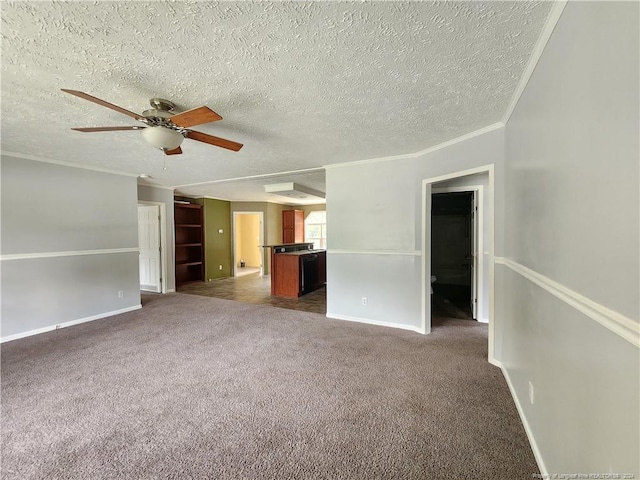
[338, 251]
[69, 253]
[610, 319]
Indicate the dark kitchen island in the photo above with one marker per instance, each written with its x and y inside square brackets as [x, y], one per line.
[296, 269]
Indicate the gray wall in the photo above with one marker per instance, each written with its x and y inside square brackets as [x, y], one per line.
[162, 195]
[572, 216]
[55, 216]
[375, 243]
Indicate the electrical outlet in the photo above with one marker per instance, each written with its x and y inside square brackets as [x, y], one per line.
[120, 294]
[531, 397]
[219, 267]
[364, 300]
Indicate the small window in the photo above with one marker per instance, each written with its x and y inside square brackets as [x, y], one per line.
[315, 229]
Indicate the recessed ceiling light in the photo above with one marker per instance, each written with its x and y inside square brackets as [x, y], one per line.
[144, 175]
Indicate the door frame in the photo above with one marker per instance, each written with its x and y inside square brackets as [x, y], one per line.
[477, 287]
[426, 247]
[233, 239]
[164, 268]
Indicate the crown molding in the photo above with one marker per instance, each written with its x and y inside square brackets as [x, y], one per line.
[215, 198]
[36, 158]
[252, 177]
[406, 156]
[155, 186]
[547, 30]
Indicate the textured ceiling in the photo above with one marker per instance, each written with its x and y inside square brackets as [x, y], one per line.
[301, 84]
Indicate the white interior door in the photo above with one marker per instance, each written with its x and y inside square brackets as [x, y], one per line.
[474, 255]
[149, 244]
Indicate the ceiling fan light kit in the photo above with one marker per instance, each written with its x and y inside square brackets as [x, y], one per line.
[162, 137]
[165, 130]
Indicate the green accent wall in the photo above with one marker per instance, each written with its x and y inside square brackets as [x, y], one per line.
[217, 246]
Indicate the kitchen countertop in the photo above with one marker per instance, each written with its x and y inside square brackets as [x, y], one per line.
[301, 252]
[287, 244]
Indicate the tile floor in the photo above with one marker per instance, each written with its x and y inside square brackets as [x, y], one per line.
[257, 290]
[241, 272]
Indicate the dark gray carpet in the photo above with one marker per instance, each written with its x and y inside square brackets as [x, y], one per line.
[197, 387]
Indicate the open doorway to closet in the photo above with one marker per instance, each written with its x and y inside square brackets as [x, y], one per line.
[454, 250]
[247, 243]
[479, 180]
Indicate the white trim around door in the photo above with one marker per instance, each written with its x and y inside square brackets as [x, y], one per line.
[478, 287]
[260, 245]
[164, 268]
[426, 246]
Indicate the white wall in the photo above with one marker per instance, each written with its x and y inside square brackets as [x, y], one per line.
[69, 245]
[162, 195]
[374, 246]
[571, 266]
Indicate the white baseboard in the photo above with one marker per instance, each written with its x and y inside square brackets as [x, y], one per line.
[532, 441]
[379, 323]
[495, 363]
[171, 290]
[149, 289]
[49, 328]
[16, 336]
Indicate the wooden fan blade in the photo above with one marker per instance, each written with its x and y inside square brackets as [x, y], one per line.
[211, 140]
[86, 96]
[105, 129]
[195, 116]
[175, 151]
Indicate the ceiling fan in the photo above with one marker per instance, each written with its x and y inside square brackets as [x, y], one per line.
[164, 129]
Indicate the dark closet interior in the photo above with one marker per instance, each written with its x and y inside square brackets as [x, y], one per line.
[451, 254]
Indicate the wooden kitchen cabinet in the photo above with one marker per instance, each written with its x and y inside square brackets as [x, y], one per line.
[296, 273]
[292, 226]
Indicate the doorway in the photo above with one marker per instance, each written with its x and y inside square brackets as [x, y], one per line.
[248, 243]
[482, 181]
[453, 254]
[151, 235]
